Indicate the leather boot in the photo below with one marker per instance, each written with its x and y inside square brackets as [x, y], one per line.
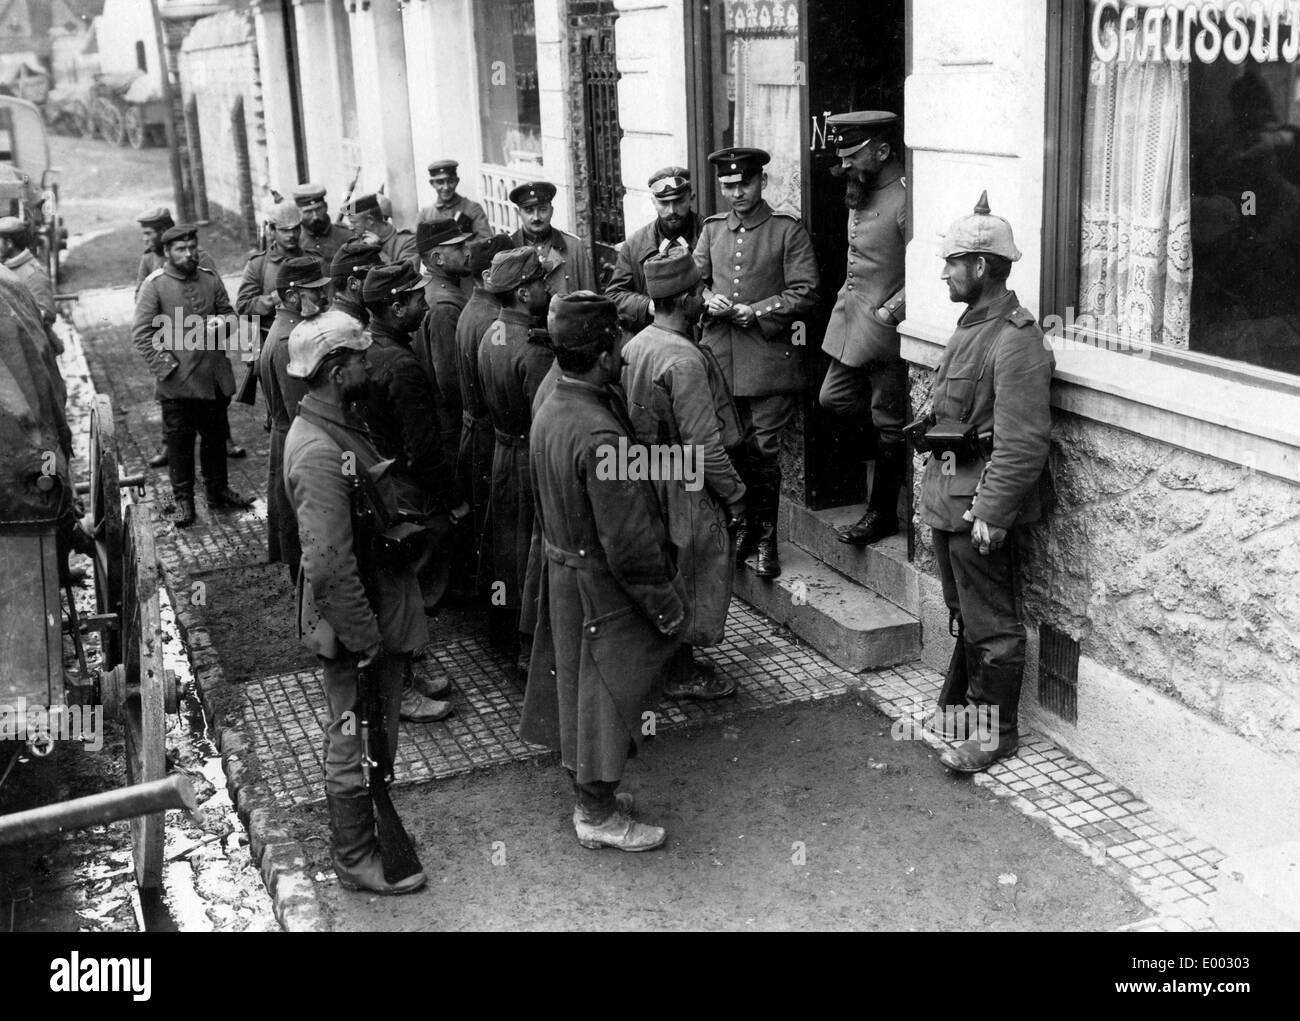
[767, 564]
[355, 851]
[184, 515]
[159, 460]
[881, 516]
[746, 540]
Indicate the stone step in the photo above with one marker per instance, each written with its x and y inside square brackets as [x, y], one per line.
[882, 567]
[850, 625]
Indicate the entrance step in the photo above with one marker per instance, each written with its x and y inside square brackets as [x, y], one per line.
[882, 567]
[850, 625]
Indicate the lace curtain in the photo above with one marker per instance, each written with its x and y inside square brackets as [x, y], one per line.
[1135, 273]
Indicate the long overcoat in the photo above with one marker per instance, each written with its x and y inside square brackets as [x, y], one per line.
[609, 586]
[477, 440]
[282, 393]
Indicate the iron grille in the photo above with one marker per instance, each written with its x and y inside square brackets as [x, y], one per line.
[1058, 673]
[604, 136]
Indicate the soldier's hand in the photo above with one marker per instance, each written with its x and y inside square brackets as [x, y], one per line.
[743, 316]
[735, 515]
[368, 656]
[717, 305]
[671, 627]
[985, 537]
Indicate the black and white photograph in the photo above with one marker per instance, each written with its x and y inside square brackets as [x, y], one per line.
[665, 466]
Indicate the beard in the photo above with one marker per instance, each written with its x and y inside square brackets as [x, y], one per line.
[858, 186]
[355, 394]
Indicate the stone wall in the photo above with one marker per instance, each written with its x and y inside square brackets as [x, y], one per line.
[218, 69]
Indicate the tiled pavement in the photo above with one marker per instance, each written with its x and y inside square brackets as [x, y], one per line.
[1169, 870]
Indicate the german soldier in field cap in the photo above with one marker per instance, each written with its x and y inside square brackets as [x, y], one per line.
[867, 378]
[761, 282]
[302, 291]
[370, 220]
[152, 224]
[448, 205]
[512, 361]
[353, 260]
[987, 439]
[338, 620]
[611, 607]
[193, 386]
[675, 224]
[676, 397]
[321, 236]
[15, 239]
[565, 258]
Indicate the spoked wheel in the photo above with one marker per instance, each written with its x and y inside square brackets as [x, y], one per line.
[111, 123]
[144, 704]
[135, 131]
[106, 513]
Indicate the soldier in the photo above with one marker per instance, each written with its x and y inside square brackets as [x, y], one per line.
[369, 216]
[611, 605]
[679, 404]
[441, 244]
[348, 272]
[675, 223]
[339, 620]
[15, 237]
[511, 364]
[190, 383]
[477, 440]
[321, 236]
[981, 480]
[866, 374]
[152, 224]
[761, 278]
[565, 258]
[301, 291]
[467, 213]
[256, 295]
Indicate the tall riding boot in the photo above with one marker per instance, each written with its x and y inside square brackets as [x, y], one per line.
[355, 851]
[746, 531]
[767, 564]
[881, 516]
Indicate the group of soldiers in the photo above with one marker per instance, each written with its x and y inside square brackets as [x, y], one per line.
[490, 400]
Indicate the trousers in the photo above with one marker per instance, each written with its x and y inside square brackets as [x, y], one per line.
[343, 776]
[183, 419]
[762, 421]
[877, 388]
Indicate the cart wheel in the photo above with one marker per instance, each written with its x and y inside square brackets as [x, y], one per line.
[106, 513]
[144, 709]
[112, 126]
[135, 133]
[81, 123]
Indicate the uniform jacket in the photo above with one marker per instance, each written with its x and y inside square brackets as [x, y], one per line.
[151, 261]
[256, 294]
[766, 261]
[37, 282]
[877, 250]
[398, 246]
[674, 401]
[435, 344]
[401, 410]
[183, 374]
[477, 440]
[333, 611]
[626, 287]
[283, 394]
[467, 211]
[996, 372]
[324, 246]
[609, 584]
[566, 259]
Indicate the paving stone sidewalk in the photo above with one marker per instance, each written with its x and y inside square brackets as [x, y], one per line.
[269, 727]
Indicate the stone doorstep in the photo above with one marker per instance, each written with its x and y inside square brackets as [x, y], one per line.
[851, 626]
[1259, 891]
[882, 567]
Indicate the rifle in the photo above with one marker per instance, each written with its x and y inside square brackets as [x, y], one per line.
[348, 197]
[395, 848]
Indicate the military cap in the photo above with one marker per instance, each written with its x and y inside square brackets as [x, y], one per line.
[482, 251]
[981, 233]
[670, 183]
[312, 340]
[12, 226]
[391, 279]
[531, 192]
[849, 132]
[180, 232]
[308, 194]
[432, 233]
[671, 273]
[513, 269]
[364, 203]
[354, 257]
[285, 215]
[581, 319]
[440, 168]
[301, 271]
[736, 164]
[159, 218]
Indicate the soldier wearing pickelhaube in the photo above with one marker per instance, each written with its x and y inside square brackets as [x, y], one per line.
[867, 377]
[987, 440]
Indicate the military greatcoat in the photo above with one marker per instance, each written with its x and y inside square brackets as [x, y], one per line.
[281, 407]
[609, 586]
[477, 440]
[566, 259]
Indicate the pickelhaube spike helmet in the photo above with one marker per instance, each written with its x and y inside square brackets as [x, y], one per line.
[980, 233]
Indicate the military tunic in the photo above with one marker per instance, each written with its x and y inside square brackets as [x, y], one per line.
[181, 374]
[467, 212]
[477, 439]
[398, 246]
[565, 258]
[282, 393]
[626, 288]
[609, 586]
[37, 282]
[435, 344]
[323, 246]
[151, 261]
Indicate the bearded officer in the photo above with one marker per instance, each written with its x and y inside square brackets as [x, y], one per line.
[450, 205]
[565, 258]
[993, 382]
[675, 223]
[371, 222]
[611, 606]
[321, 236]
[867, 377]
[761, 282]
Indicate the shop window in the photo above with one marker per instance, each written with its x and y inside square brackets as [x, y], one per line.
[509, 101]
[1189, 185]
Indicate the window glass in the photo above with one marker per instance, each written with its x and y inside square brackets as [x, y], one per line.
[509, 102]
